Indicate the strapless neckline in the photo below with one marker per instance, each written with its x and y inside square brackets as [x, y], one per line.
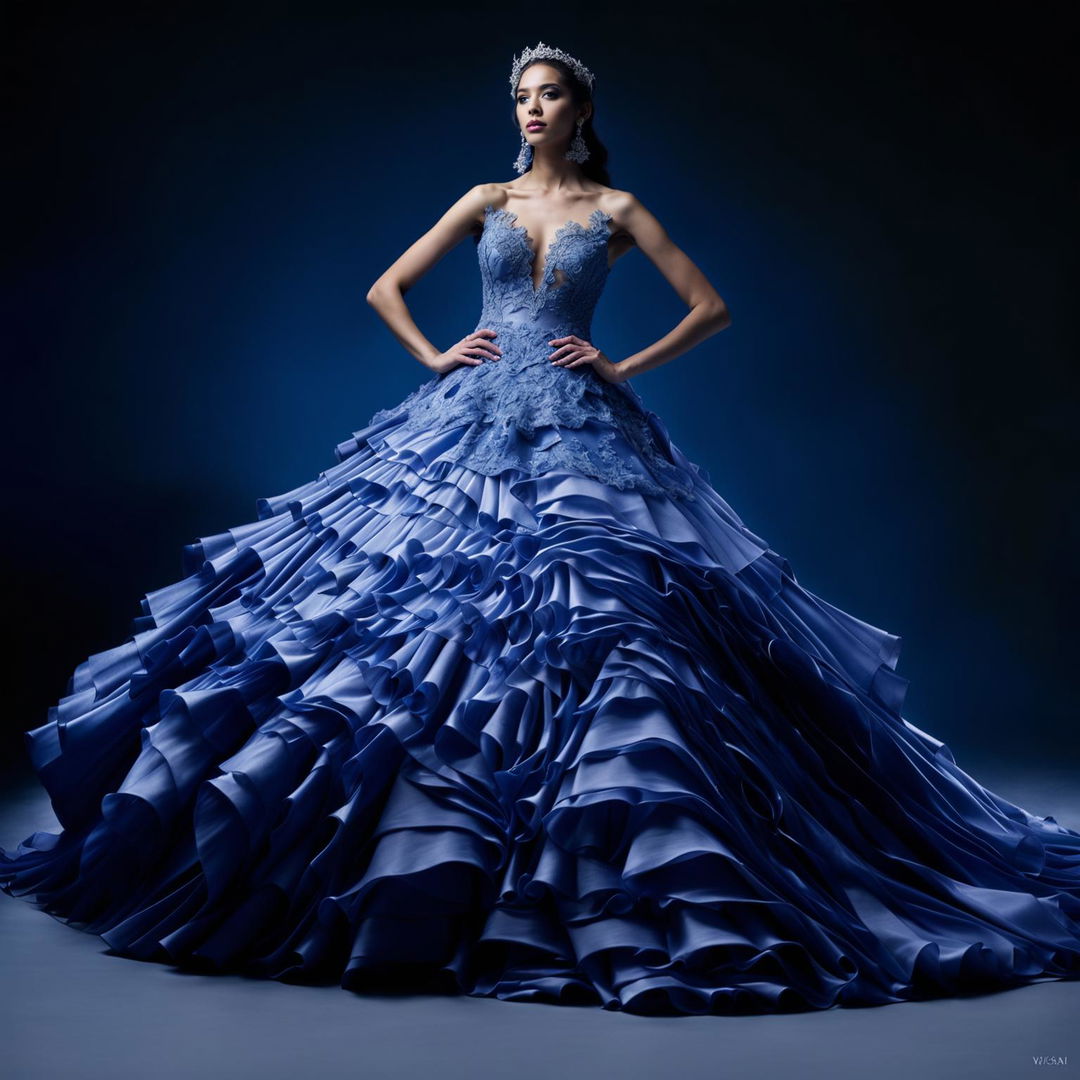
[597, 219]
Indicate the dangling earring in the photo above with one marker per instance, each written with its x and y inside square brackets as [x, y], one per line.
[524, 156]
[578, 151]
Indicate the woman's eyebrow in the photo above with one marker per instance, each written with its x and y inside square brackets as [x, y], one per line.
[542, 86]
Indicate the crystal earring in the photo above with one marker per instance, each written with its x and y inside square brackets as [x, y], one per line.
[578, 151]
[524, 156]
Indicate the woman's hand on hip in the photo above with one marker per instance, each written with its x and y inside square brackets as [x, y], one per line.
[475, 348]
[573, 352]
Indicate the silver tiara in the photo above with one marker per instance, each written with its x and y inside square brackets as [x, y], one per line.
[540, 51]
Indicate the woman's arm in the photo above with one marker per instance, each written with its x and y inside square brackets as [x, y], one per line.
[708, 311]
[386, 296]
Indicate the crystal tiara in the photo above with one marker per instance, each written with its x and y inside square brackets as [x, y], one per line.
[540, 51]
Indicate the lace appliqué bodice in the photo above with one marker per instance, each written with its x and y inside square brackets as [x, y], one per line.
[523, 412]
[569, 265]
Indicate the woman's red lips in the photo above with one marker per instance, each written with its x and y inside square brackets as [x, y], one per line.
[536, 125]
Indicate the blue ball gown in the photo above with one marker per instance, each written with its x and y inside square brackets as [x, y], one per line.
[509, 702]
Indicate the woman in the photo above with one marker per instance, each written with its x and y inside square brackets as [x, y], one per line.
[510, 702]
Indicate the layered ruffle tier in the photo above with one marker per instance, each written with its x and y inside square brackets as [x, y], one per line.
[530, 737]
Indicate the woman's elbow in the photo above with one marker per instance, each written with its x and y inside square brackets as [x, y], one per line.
[379, 291]
[385, 287]
[719, 315]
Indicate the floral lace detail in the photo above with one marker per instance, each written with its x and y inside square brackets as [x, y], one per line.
[523, 412]
[565, 256]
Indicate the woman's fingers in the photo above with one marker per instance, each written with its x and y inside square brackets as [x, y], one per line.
[568, 348]
[478, 340]
[570, 359]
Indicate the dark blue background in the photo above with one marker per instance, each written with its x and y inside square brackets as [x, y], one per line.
[198, 201]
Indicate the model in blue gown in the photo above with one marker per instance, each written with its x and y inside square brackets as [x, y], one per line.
[508, 701]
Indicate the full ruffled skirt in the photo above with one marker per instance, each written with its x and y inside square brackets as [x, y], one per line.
[531, 737]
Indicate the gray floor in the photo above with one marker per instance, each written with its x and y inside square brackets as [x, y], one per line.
[67, 1010]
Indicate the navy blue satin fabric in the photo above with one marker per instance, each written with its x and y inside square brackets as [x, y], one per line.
[532, 722]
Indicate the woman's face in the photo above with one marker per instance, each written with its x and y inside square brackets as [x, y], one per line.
[544, 102]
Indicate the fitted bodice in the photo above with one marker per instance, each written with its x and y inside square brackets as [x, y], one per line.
[574, 270]
[521, 411]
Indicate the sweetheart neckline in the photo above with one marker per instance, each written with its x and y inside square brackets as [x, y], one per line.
[597, 217]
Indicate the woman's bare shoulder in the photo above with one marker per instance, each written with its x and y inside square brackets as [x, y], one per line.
[492, 194]
[614, 201]
[620, 205]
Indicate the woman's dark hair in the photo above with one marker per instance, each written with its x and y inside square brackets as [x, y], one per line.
[596, 167]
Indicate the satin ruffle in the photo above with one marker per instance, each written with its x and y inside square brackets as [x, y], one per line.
[529, 737]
